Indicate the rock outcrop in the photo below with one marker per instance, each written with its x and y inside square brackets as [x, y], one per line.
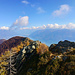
[52, 46]
[28, 50]
[66, 43]
[62, 46]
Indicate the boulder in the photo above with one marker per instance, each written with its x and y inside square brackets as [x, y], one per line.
[24, 51]
[33, 47]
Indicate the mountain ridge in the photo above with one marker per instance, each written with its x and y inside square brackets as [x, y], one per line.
[12, 42]
[36, 58]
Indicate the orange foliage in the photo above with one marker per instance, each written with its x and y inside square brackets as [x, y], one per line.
[42, 48]
[10, 43]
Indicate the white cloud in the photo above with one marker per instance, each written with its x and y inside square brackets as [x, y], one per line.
[22, 21]
[56, 26]
[52, 26]
[40, 10]
[26, 2]
[64, 9]
[4, 28]
[71, 26]
[48, 26]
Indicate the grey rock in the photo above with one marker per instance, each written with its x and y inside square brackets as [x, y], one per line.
[28, 49]
[62, 46]
[66, 43]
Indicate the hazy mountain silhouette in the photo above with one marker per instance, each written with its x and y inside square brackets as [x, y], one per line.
[49, 36]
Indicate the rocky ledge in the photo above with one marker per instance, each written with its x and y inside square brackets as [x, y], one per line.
[62, 46]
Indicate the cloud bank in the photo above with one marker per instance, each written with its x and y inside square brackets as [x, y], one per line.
[48, 26]
[64, 9]
[52, 26]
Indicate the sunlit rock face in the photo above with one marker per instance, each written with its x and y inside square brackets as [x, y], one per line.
[27, 50]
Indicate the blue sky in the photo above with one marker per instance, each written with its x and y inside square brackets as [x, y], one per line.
[37, 14]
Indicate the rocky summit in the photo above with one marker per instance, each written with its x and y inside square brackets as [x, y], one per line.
[28, 50]
[62, 46]
[66, 43]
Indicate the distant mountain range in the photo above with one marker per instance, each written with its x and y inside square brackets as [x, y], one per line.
[6, 34]
[50, 36]
[1, 41]
[47, 36]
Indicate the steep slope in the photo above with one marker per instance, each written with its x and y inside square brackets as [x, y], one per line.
[19, 58]
[1, 41]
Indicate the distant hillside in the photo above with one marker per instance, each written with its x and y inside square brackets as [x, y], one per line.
[12, 42]
[50, 36]
[1, 41]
